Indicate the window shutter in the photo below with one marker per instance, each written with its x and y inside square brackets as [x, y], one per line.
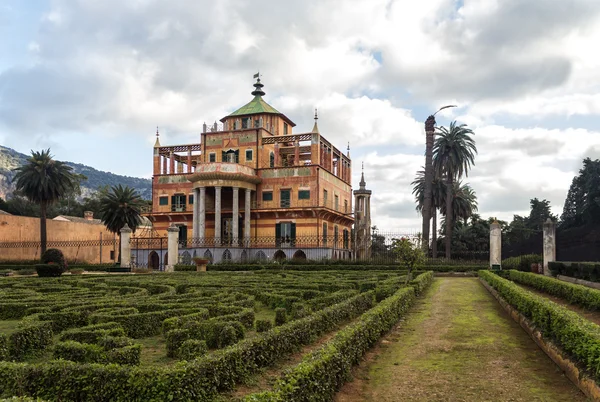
[173, 199]
[278, 230]
[293, 231]
[223, 156]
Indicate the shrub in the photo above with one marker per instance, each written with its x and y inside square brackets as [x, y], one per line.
[114, 342]
[227, 336]
[93, 333]
[263, 325]
[280, 316]
[410, 255]
[31, 338]
[128, 355]
[576, 294]
[184, 268]
[3, 347]
[49, 270]
[192, 349]
[54, 256]
[323, 372]
[174, 339]
[25, 271]
[522, 262]
[575, 335]
[78, 352]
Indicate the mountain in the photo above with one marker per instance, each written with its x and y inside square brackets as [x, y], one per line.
[11, 159]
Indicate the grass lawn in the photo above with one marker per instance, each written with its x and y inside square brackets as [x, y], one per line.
[458, 344]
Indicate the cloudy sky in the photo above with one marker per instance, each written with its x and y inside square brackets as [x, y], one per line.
[93, 79]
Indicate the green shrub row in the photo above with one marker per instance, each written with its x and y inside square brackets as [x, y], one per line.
[184, 268]
[198, 380]
[323, 372]
[421, 282]
[324, 301]
[178, 322]
[3, 347]
[192, 349]
[216, 334]
[576, 294]
[522, 262]
[31, 338]
[143, 324]
[127, 353]
[589, 271]
[578, 337]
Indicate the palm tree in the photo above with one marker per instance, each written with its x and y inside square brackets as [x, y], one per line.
[119, 206]
[464, 202]
[438, 191]
[44, 181]
[453, 155]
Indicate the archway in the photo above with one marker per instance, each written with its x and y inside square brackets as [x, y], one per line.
[186, 258]
[165, 260]
[279, 256]
[227, 255]
[300, 255]
[154, 260]
[244, 256]
[261, 256]
[208, 255]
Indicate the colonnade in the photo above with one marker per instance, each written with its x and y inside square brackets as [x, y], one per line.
[199, 214]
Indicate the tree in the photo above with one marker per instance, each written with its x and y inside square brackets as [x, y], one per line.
[438, 191]
[583, 199]
[410, 255]
[120, 206]
[453, 155]
[44, 181]
[540, 212]
[464, 202]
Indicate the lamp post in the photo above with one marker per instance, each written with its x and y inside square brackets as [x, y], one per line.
[427, 196]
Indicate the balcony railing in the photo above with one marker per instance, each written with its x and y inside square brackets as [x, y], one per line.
[178, 208]
[343, 209]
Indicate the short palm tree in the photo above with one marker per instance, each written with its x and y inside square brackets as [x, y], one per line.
[464, 202]
[453, 155]
[119, 206]
[44, 181]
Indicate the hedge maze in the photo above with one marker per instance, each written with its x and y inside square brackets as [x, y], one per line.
[189, 336]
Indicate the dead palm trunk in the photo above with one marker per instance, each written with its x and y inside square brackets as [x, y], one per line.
[434, 232]
[427, 188]
[449, 215]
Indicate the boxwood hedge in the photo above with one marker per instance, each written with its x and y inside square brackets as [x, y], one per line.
[576, 336]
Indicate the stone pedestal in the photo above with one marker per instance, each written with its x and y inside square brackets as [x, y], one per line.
[173, 247]
[495, 245]
[549, 244]
[125, 252]
[217, 216]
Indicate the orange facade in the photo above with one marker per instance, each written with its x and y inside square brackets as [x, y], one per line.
[278, 184]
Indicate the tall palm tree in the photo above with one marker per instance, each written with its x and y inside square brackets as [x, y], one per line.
[438, 191]
[44, 181]
[453, 155]
[119, 206]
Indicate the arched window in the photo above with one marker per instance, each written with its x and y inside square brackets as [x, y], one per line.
[272, 159]
[186, 258]
[279, 256]
[208, 255]
[244, 256]
[261, 256]
[227, 255]
[299, 255]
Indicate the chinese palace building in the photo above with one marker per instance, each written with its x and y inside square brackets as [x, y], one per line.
[254, 189]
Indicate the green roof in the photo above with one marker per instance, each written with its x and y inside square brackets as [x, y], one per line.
[256, 105]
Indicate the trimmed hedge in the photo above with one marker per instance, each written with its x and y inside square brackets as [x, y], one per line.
[86, 353]
[460, 266]
[589, 271]
[575, 294]
[192, 349]
[280, 316]
[31, 338]
[324, 371]
[92, 333]
[49, 270]
[3, 347]
[578, 337]
[263, 325]
[522, 262]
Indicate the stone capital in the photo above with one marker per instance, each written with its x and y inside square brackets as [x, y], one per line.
[126, 229]
[173, 228]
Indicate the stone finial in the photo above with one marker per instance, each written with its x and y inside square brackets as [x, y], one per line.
[126, 229]
[157, 143]
[173, 228]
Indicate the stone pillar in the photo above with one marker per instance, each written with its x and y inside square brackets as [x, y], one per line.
[172, 247]
[549, 244]
[495, 244]
[195, 216]
[297, 153]
[217, 216]
[201, 214]
[247, 202]
[236, 212]
[125, 252]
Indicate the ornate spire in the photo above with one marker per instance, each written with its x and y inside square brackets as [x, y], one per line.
[157, 143]
[348, 150]
[258, 91]
[362, 183]
[316, 127]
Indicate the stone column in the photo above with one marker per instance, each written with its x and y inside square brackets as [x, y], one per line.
[172, 247]
[236, 213]
[217, 216]
[125, 252]
[495, 244]
[201, 215]
[247, 218]
[549, 244]
[195, 216]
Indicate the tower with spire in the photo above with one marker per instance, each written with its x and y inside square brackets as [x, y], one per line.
[362, 218]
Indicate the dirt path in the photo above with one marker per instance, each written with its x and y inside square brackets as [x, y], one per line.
[458, 344]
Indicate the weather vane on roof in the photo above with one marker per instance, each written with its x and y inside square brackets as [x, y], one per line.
[257, 75]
